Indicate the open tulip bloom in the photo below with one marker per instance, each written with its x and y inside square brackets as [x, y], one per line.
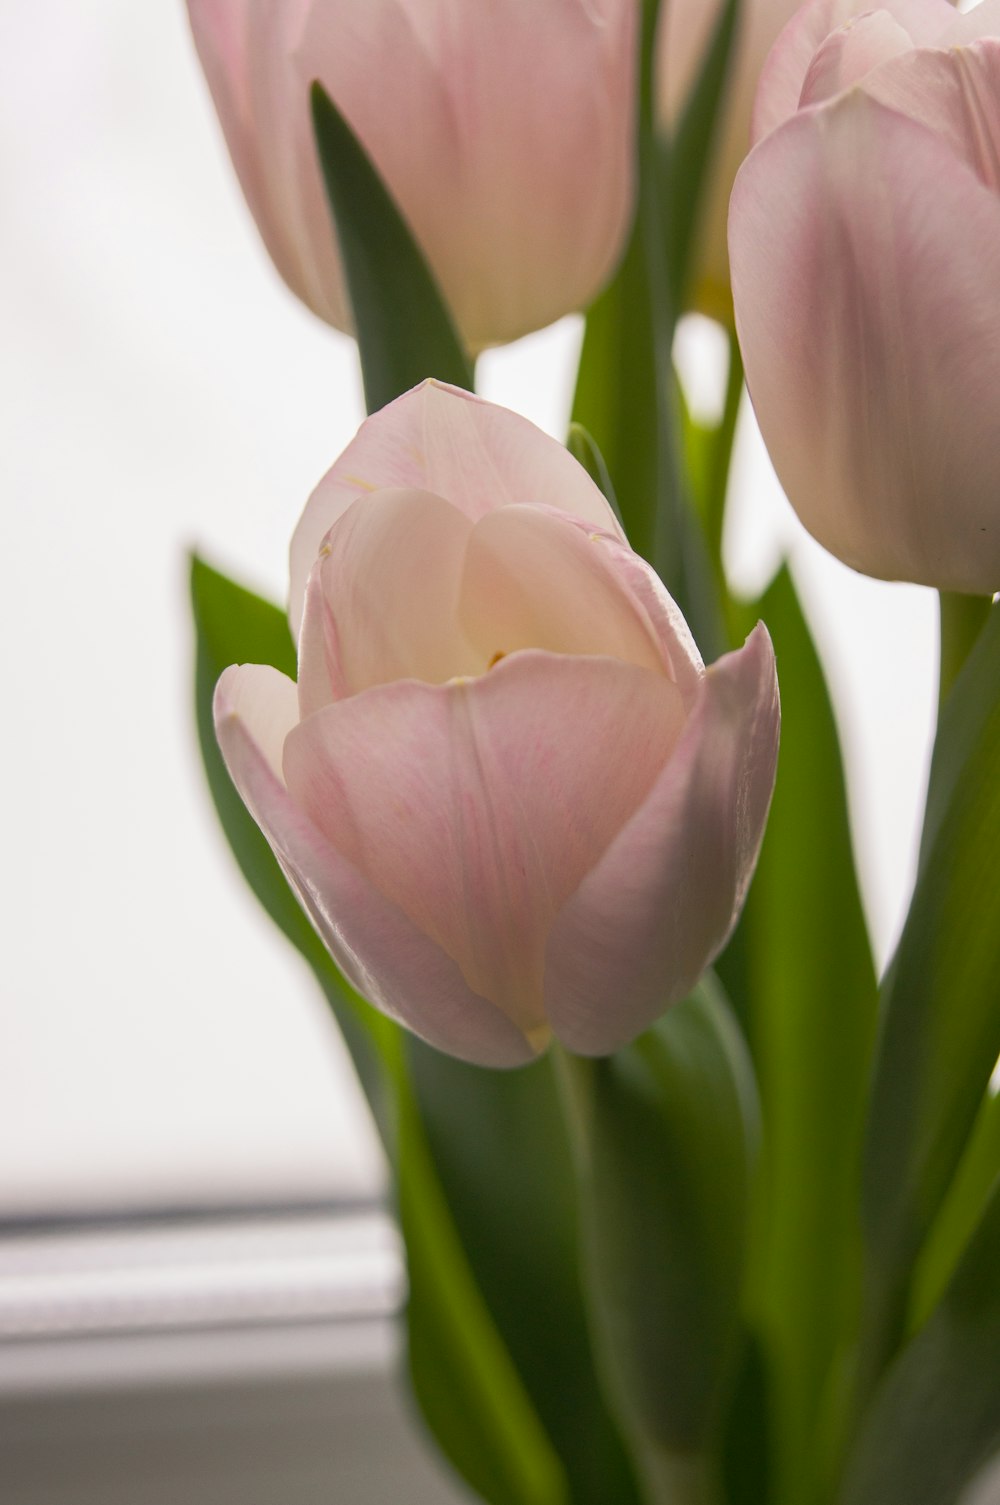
[726, 1228]
[505, 788]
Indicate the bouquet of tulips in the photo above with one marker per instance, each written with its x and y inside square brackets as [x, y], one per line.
[696, 1207]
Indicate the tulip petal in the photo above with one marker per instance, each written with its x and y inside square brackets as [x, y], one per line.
[478, 807]
[378, 949]
[220, 30]
[534, 579]
[956, 94]
[851, 52]
[504, 134]
[870, 333]
[784, 73]
[436, 438]
[390, 572]
[662, 901]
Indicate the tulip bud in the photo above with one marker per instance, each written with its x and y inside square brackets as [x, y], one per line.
[505, 789]
[864, 239]
[504, 131]
[684, 36]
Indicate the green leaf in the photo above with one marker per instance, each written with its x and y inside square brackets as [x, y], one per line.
[498, 1142]
[936, 1419]
[666, 1133]
[615, 397]
[404, 328]
[809, 1004]
[232, 625]
[940, 1023]
[747, 1444]
[687, 158]
[462, 1372]
[961, 1211]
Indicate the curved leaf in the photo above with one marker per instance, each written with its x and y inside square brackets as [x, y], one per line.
[936, 1419]
[666, 1134]
[404, 329]
[809, 996]
[499, 1145]
[940, 1027]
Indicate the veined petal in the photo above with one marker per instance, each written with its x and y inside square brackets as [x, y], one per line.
[476, 455]
[870, 333]
[784, 73]
[652, 914]
[477, 808]
[377, 948]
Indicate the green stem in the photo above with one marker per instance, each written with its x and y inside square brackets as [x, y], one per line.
[962, 618]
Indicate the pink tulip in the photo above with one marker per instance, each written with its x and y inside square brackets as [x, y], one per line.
[685, 33]
[864, 238]
[503, 128]
[506, 790]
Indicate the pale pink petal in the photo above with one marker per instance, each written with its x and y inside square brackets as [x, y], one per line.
[297, 227]
[784, 73]
[476, 455]
[321, 677]
[479, 807]
[504, 132]
[956, 93]
[221, 30]
[391, 573]
[851, 52]
[661, 903]
[378, 949]
[680, 653]
[534, 578]
[866, 280]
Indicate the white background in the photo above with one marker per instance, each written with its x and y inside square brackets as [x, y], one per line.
[160, 389]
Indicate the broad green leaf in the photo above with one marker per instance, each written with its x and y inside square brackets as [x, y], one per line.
[935, 1421]
[462, 1372]
[665, 1139]
[940, 1021]
[499, 1145]
[809, 1000]
[687, 157]
[405, 331]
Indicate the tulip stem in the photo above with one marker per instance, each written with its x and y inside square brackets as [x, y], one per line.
[962, 619]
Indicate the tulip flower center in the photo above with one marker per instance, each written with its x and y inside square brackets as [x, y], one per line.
[409, 587]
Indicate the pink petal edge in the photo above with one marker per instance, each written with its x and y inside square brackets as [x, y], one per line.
[381, 953]
[438, 438]
[661, 903]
